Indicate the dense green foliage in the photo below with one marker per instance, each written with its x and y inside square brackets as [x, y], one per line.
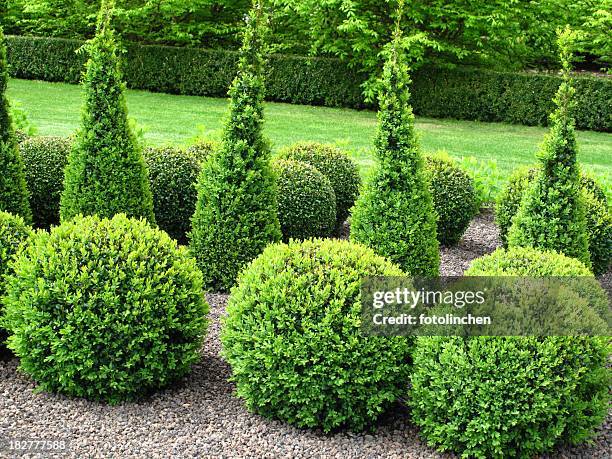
[292, 337]
[106, 173]
[454, 198]
[203, 149]
[105, 309]
[173, 174]
[306, 201]
[13, 190]
[508, 396]
[494, 33]
[512, 396]
[236, 211]
[552, 214]
[44, 159]
[598, 216]
[462, 93]
[13, 232]
[395, 213]
[335, 164]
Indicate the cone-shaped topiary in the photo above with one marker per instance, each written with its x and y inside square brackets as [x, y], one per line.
[395, 213]
[13, 190]
[236, 211]
[552, 214]
[106, 173]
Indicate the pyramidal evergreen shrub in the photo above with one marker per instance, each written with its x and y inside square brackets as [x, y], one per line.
[236, 212]
[552, 212]
[395, 214]
[106, 173]
[13, 189]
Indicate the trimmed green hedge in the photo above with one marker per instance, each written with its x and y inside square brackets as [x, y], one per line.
[462, 93]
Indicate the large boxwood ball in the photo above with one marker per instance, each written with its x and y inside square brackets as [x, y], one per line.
[44, 159]
[13, 233]
[105, 309]
[599, 228]
[306, 201]
[510, 396]
[292, 337]
[454, 198]
[335, 164]
[173, 174]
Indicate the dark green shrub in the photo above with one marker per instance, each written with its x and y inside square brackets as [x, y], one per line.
[551, 215]
[106, 173]
[597, 214]
[508, 396]
[512, 396]
[236, 211]
[13, 232]
[454, 198]
[395, 214]
[114, 309]
[173, 174]
[460, 93]
[332, 162]
[306, 201]
[45, 159]
[13, 190]
[293, 339]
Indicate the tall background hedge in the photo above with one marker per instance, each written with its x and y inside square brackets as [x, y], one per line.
[462, 93]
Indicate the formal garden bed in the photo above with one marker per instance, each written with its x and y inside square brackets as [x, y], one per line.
[215, 299]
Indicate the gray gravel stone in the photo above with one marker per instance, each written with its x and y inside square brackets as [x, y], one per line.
[200, 416]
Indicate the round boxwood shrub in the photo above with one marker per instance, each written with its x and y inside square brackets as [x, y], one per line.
[173, 174]
[105, 309]
[454, 198]
[598, 216]
[510, 396]
[335, 164]
[293, 339]
[306, 201]
[13, 232]
[44, 159]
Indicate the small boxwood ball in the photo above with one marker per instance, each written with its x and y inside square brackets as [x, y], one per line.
[599, 226]
[529, 394]
[13, 233]
[292, 337]
[454, 198]
[306, 201]
[44, 159]
[173, 174]
[105, 309]
[342, 172]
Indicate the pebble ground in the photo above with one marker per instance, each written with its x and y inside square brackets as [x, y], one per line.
[200, 417]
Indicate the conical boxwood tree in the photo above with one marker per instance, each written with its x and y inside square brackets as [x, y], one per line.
[395, 214]
[236, 211]
[13, 190]
[106, 173]
[552, 212]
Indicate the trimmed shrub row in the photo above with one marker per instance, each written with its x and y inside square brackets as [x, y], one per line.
[462, 93]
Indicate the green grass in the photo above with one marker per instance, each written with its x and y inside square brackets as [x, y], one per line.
[54, 109]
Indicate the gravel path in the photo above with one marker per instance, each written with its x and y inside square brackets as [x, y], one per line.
[201, 418]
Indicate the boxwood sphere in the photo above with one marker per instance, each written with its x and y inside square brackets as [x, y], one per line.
[173, 174]
[335, 164]
[306, 201]
[44, 159]
[13, 232]
[527, 393]
[105, 309]
[292, 337]
[454, 198]
[599, 226]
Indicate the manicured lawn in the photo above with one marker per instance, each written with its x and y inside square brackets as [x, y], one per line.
[54, 108]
